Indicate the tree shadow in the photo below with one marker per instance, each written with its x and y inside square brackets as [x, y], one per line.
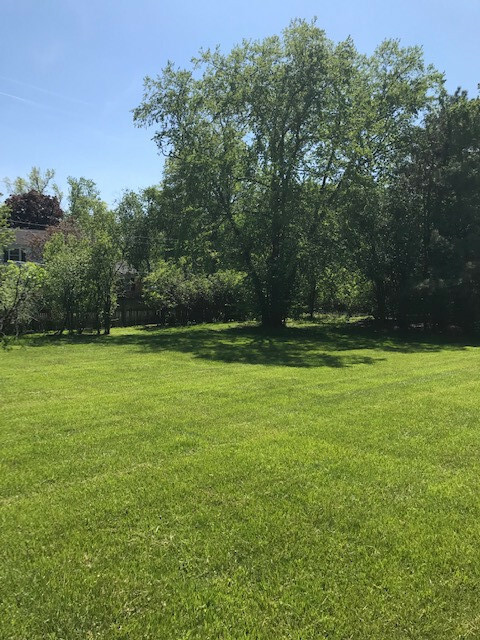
[319, 345]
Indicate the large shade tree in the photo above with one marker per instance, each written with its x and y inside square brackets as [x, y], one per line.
[248, 132]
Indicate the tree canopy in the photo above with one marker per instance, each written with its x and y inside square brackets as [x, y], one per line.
[34, 210]
[261, 141]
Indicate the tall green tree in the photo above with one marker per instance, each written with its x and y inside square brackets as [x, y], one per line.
[240, 139]
[441, 185]
[101, 233]
[397, 90]
[83, 198]
[245, 132]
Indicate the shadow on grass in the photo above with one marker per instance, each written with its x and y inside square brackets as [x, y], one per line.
[302, 346]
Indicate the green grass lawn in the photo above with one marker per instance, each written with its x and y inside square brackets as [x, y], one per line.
[219, 482]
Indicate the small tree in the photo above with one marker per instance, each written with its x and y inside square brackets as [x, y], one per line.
[81, 260]
[104, 257]
[20, 295]
[67, 259]
[228, 299]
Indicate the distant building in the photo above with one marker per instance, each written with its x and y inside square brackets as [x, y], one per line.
[24, 248]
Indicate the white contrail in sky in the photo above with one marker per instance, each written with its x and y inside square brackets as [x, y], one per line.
[46, 91]
[9, 95]
[47, 107]
[97, 132]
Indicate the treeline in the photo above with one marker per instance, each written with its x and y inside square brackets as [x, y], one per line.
[300, 176]
[330, 177]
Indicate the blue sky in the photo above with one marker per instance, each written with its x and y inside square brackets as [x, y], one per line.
[72, 70]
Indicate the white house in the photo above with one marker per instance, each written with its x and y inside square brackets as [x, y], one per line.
[23, 248]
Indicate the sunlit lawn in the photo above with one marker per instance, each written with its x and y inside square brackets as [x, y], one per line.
[219, 482]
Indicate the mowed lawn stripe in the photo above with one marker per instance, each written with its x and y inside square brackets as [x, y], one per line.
[215, 482]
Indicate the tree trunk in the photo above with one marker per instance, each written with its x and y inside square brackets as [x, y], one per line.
[107, 315]
[312, 299]
[273, 310]
[123, 312]
[272, 319]
[380, 301]
[107, 321]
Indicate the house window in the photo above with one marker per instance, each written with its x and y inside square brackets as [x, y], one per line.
[17, 255]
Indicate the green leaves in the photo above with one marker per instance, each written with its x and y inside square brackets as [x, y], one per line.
[248, 132]
[182, 296]
[81, 270]
[6, 233]
[20, 294]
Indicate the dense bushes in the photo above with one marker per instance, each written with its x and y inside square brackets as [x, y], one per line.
[181, 297]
